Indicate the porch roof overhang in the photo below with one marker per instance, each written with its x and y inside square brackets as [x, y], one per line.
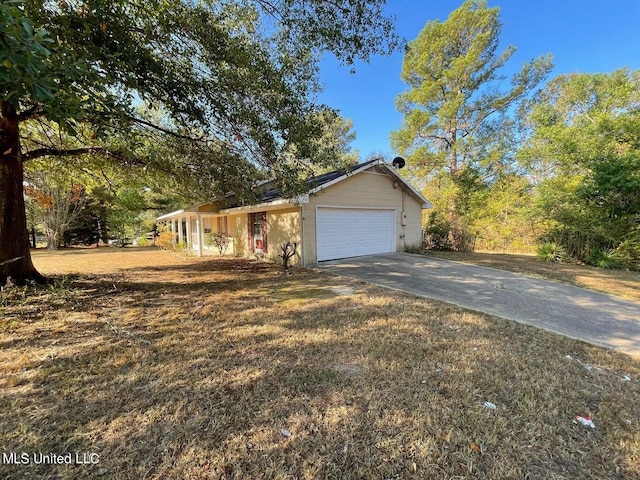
[278, 204]
[186, 211]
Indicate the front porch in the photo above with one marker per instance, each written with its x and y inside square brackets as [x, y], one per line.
[192, 226]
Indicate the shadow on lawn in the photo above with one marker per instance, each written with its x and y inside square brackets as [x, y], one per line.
[371, 385]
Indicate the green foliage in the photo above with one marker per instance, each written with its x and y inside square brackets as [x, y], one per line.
[143, 241]
[456, 130]
[441, 234]
[231, 80]
[584, 155]
[629, 251]
[23, 57]
[452, 69]
[437, 233]
[503, 220]
[124, 216]
[228, 87]
[604, 258]
[551, 252]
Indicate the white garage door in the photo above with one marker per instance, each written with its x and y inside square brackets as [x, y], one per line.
[353, 232]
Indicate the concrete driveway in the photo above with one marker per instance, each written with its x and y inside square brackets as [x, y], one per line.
[593, 317]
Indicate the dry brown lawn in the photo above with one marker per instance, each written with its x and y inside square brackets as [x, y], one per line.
[184, 368]
[623, 283]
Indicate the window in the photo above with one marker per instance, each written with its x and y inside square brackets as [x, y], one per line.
[222, 225]
[258, 232]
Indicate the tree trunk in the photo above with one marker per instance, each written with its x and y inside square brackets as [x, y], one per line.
[15, 257]
[53, 239]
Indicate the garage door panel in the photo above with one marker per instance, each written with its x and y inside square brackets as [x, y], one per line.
[352, 232]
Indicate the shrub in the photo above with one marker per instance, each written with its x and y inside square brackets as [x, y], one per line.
[143, 242]
[289, 250]
[218, 240]
[166, 241]
[551, 252]
[604, 258]
[629, 252]
[436, 235]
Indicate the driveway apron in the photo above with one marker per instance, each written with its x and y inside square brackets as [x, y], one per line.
[593, 317]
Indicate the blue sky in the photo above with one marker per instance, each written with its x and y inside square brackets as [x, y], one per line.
[585, 36]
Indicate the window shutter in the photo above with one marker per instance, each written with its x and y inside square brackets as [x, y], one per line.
[250, 230]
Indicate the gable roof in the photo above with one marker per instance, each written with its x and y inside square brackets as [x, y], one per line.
[273, 196]
[320, 182]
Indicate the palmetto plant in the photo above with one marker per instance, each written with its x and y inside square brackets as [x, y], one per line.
[551, 252]
[602, 258]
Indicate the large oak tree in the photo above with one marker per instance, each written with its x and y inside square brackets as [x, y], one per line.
[232, 79]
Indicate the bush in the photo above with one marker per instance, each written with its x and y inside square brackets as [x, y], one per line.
[551, 252]
[604, 258]
[143, 242]
[166, 241]
[218, 240]
[628, 253]
[436, 235]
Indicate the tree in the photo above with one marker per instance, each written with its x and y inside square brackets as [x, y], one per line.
[455, 113]
[584, 154]
[57, 203]
[452, 70]
[231, 78]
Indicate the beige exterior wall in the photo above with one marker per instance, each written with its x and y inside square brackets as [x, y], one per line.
[283, 226]
[239, 231]
[371, 190]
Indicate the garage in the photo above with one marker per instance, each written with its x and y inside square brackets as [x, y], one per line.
[353, 232]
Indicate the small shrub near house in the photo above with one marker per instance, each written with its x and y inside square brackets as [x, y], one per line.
[289, 250]
[218, 240]
[166, 241]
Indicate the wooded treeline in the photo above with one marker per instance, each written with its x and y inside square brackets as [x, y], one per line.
[553, 167]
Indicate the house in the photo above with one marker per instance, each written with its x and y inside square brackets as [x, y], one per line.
[362, 210]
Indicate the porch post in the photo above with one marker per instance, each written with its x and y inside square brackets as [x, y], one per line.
[180, 231]
[189, 239]
[199, 233]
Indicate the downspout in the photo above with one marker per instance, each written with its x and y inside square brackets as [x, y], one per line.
[403, 221]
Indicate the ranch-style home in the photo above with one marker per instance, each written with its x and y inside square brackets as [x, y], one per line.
[366, 209]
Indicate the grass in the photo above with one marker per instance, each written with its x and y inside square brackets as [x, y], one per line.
[170, 368]
[621, 282]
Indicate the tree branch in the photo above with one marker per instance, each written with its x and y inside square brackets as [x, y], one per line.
[33, 112]
[63, 152]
